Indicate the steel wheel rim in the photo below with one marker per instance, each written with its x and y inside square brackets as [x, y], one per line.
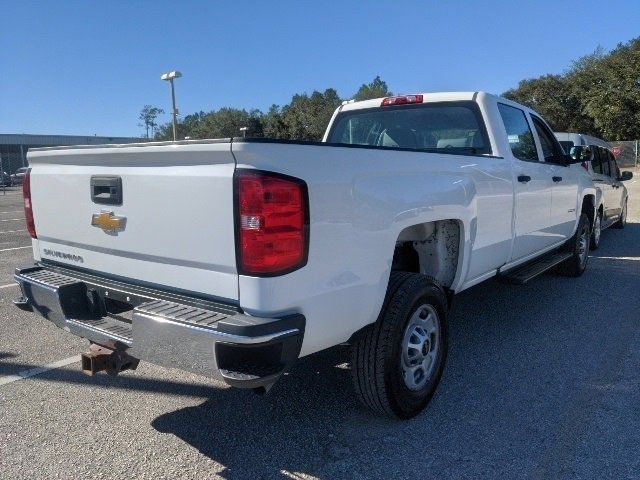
[583, 245]
[420, 347]
[597, 229]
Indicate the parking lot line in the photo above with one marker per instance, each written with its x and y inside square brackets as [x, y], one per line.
[8, 285]
[14, 248]
[11, 211]
[39, 370]
[617, 258]
[11, 219]
[14, 231]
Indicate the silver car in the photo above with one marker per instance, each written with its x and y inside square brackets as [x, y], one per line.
[603, 168]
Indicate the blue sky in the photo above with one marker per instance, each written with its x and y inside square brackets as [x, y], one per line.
[83, 67]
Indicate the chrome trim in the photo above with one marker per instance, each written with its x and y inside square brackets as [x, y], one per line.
[188, 347]
[163, 336]
[85, 327]
[217, 335]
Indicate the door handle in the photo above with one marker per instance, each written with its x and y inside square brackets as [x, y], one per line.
[524, 178]
[557, 179]
[106, 189]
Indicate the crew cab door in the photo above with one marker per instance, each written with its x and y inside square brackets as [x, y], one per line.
[564, 197]
[533, 186]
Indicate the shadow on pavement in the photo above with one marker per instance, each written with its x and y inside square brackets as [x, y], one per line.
[541, 381]
[530, 370]
[624, 242]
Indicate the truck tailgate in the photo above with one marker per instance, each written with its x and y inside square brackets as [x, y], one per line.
[174, 225]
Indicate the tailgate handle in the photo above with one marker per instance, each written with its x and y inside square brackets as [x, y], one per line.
[106, 190]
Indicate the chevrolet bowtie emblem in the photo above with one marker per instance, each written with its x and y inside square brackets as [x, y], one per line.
[108, 222]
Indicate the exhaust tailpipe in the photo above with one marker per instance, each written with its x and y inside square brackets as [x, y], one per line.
[100, 358]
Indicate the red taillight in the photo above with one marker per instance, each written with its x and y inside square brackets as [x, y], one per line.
[401, 100]
[28, 207]
[272, 223]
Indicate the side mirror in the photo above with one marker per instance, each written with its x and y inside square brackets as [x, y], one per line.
[580, 154]
[626, 176]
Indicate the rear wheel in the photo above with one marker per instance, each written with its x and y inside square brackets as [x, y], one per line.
[623, 217]
[596, 231]
[397, 364]
[578, 246]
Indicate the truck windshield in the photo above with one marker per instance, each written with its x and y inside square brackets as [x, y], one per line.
[448, 127]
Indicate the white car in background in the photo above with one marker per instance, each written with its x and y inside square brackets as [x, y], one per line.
[18, 177]
[603, 168]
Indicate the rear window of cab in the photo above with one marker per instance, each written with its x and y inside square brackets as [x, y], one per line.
[444, 127]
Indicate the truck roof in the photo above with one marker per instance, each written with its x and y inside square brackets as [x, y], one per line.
[581, 139]
[427, 98]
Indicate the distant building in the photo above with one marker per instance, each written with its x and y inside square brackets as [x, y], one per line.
[13, 148]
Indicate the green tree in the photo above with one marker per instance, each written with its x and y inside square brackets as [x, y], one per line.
[609, 85]
[273, 123]
[222, 123]
[305, 118]
[376, 89]
[227, 122]
[147, 117]
[599, 94]
[553, 98]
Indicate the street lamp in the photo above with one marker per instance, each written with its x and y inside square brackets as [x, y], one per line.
[244, 131]
[169, 77]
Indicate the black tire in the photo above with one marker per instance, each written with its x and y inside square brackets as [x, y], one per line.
[378, 357]
[575, 265]
[596, 232]
[623, 217]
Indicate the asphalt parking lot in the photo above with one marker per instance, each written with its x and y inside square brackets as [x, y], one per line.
[542, 381]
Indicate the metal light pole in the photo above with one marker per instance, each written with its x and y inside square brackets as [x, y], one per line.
[244, 131]
[170, 77]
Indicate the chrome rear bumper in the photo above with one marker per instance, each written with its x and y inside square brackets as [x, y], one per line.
[164, 328]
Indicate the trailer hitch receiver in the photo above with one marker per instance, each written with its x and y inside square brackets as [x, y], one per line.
[100, 358]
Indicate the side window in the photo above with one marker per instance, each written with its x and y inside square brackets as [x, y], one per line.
[548, 142]
[566, 146]
[615, 171]
[596, 162]
[604, 160]
[518, 132]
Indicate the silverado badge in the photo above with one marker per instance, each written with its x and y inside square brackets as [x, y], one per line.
[108, 222]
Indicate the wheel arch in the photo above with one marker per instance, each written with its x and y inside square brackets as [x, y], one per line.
[434, 248]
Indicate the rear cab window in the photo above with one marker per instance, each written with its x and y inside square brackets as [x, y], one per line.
[519, 133]
[443, 127]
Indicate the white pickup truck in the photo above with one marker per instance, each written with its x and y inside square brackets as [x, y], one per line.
[232, 258]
